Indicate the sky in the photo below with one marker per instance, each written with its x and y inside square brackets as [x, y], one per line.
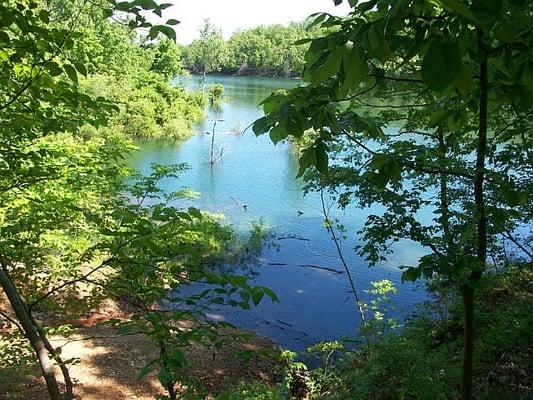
[231, 15]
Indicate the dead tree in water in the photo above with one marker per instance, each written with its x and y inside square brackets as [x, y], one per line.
[215, 97]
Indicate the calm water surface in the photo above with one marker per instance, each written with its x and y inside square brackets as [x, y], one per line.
[315, 304]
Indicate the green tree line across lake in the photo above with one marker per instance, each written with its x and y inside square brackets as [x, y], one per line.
[264, 50]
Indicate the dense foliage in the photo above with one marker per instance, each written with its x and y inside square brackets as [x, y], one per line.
[76, 225]
[454, 80]
[264, 50]
[135, 73]
[423, 360]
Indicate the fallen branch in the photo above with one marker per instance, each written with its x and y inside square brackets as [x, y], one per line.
[284, 323]
[242, 205]
[335, 271]
[293, 237]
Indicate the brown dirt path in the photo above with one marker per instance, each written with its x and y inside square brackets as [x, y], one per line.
[107, 364]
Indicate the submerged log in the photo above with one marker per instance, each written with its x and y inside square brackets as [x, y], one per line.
[333, 270]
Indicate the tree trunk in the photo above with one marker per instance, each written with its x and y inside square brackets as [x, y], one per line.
[481, 228]
[212, 157]
[443, 178]
[69, 386]
[31, 333]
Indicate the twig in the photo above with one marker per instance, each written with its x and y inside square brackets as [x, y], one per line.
[330, 229]
[11, 320]
[509, 236]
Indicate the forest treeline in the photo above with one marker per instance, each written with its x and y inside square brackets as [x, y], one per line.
[265, 50]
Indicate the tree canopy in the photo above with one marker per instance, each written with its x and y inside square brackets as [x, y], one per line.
[454, 79]
[77, 225]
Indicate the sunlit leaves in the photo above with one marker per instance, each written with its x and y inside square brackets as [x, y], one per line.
[402, 106]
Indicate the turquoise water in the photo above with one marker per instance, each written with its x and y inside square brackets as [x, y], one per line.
[315, 304]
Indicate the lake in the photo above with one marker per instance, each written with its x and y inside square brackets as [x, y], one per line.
[315, 304]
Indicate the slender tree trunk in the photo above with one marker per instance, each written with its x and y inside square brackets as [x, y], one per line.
[444, 206]
[481, 234]
[331, 230]
[69, 386]
[31, 333]
[212, 158]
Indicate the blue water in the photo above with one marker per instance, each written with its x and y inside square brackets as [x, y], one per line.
[315, 305]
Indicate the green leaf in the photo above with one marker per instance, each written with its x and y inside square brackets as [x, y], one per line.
[355, 69]
[54, 69]
[176, 358]
[261, 126]
[3, 55]
[123, 6]
[302, 41]
[307, 159]
[164, 377]
[279, 132]
[195, 212]
[411, 274]
[329, 67]
[172, 21]
[274, 102]
[378, 43]
[257, 296]
[71, 72]
[4, 38]
[80, 67]
[154, 31]
[442, 64]
[245, 296]
[270, 294]
[319, 18]
[322, 158]
[439, 116]
[44, 16]
[168, 32]
[514, 198]
[464, 81]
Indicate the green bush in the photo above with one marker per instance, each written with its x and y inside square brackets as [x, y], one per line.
[424, 360]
